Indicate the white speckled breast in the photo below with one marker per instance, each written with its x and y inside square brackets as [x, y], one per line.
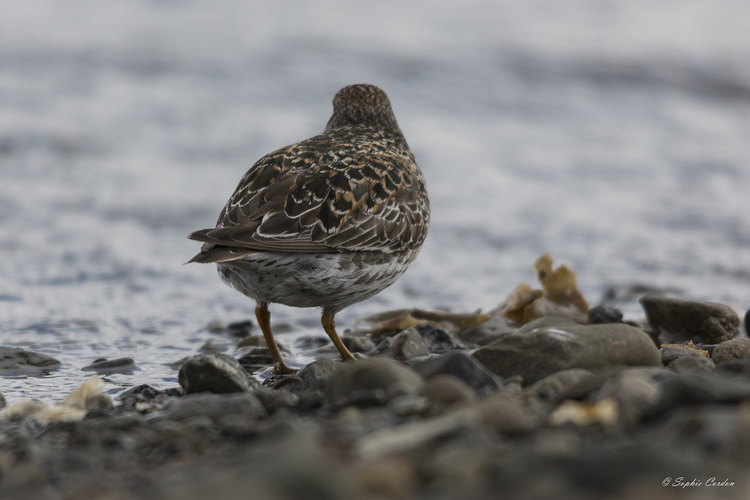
[332, 281]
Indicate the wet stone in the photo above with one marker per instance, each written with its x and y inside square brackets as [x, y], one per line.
[214, 372]
[240, 328]
[438, 339]
[274, 399]
[252, 341]
[407, 345]
[549, 387]
[635, 392]
[357, 343]
[601, 314]
[535, 351]
[17, 361]
[731, 350]
[690, 388]
[671, 352]
[313, 377]
[740, 367]
[502, 413]
[371, 374]
[462, 366]
[692, 363]
[214, 406]
[678, 320]
[447, 390]
[112, 365]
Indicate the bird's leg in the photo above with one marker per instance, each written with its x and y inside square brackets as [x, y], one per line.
[329, 325]
[264, 321]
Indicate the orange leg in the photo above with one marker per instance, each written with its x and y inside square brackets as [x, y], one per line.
[264, 321]
[329, 325]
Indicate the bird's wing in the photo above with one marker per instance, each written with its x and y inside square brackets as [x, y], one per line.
[323, 196]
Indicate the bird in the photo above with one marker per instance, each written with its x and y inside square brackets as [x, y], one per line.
[326, 222]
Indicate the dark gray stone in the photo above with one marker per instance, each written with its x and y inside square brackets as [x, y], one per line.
[17, 361]
[438, 339]
[692, 363]
[549, 387]
[371, 374]
[502, 413]
[671, 352]
[678, 320]
[357, 343]
[214, 406]
[601, 314]
[313, 377]
[447, 390]
[634, 390]
[539, 352]
[407, 345]
[112, 365]
[741, 367]
[691, 388]
[460, 365]
[731, 350]
[489, 331]
[274, 399]
[214, 372]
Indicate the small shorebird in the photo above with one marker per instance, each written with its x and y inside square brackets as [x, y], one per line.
[326, 222]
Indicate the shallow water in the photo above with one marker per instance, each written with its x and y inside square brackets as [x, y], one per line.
[615, 135]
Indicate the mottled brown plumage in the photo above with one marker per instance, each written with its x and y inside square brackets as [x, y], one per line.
[328, 221]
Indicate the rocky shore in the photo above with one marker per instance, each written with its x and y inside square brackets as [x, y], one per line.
[438, 406]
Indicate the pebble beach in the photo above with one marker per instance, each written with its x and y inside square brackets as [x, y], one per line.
[612, 135]
[455, 406]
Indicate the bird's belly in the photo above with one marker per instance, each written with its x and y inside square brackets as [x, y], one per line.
[332, 281]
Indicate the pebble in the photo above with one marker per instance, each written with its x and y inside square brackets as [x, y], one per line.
[550, 386]
[692, 363]
[678, 320]
[214, 372]
[408, 345]
[370, 374]
[118, 365]
[731, 350]
[634, 391]
[356, 343]
[671, 352]
[502, 413]
[693, 388]
[535, 352]
[447, 390]
[17, 361]
[462, 366]
[438, 339]
[275, 399]
[213, 406]
[601, 314]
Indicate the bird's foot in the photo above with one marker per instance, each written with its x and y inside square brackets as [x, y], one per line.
[283, 369]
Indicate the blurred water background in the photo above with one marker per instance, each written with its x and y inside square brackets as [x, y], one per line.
[613, 134]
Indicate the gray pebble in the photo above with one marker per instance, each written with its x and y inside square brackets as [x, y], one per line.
[407, 345]
[678, 320]
[369, 374]
[731, 350]
[214, 372]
